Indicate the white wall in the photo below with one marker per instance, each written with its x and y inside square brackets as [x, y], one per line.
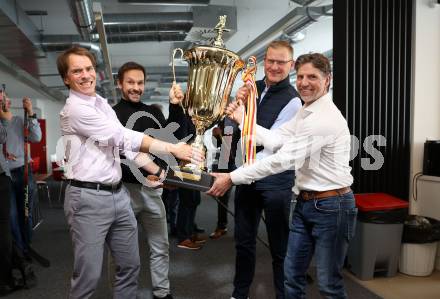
[426, 80]
[50, 112]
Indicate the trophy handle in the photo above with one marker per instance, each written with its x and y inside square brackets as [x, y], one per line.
[172, 61]
[174, 71]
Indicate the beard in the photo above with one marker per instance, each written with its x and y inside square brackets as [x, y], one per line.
[132, 95]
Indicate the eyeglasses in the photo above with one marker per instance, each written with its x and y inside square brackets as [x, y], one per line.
[279, 62]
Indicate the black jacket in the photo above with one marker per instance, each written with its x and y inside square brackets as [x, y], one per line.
[124, 109]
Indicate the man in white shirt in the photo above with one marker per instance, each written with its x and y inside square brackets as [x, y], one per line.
[316, 143]
[97, 206]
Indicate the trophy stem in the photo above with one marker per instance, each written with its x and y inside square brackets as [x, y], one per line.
[198, 144]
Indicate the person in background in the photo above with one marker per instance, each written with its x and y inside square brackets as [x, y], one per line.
[21, 227]
[146, 201]
[186, 233]
[7, 284]
[317, 144]
[227, 137]
[97, 205]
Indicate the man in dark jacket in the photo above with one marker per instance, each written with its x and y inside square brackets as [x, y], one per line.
[278, 102]
[146, 202]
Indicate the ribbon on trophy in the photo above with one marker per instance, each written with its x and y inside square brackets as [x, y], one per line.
[248, 143]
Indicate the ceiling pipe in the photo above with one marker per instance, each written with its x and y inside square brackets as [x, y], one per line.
[83, 17]
[294, 21]
[59, 43]
[98, 15]
[148, 18]
[167, 3]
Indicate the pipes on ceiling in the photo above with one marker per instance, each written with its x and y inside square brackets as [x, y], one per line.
[173, 3]
[83, 17]
[125, 28]
[59, 43]
[296, 20]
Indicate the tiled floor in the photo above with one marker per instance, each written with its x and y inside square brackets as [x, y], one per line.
[405, 287]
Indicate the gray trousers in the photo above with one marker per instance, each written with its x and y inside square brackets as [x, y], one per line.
[96, 218]
[149, 209]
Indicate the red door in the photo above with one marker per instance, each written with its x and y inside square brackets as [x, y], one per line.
[38, 150]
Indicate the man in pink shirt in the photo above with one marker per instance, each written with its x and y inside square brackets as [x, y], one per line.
[97, 206]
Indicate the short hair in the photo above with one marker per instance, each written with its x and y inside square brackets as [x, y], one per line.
[318, 61]
[128, 66]
[276, 44]
[63, 60]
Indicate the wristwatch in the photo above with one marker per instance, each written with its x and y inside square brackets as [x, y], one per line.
[33, 115]
[159, 172]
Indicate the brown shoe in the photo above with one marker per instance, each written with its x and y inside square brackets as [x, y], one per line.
[188, 244]
[218, 233]
[196, 238]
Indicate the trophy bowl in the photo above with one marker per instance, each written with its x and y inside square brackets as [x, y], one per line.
[212, 72]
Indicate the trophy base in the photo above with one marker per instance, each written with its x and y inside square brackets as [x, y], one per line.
[185, 178]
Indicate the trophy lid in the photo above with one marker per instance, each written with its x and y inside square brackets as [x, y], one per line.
[218, 46]
[220, 28]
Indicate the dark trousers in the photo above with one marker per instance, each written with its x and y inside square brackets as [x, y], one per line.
[5, 232]
[249, 204]
[171, 202]
[188, 202]
[21, 227]
[222, 213]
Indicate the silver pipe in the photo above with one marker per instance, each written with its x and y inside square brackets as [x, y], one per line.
[83, 17]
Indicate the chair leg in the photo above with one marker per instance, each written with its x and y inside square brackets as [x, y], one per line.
[43, 189]
[48, 196]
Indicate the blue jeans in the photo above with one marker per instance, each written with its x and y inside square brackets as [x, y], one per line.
[323, 227]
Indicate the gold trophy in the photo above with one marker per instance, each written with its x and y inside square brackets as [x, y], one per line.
[212, 71]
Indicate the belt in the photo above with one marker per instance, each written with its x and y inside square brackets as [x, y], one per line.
[95, 186]
[310, 195]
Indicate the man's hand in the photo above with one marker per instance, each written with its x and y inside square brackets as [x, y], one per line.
[243, 94]
[221, 184]
[11, 157]
[155, 182]
[186, 152]
[176, 94]
[235, 111]
[27, 105]
[217, 132]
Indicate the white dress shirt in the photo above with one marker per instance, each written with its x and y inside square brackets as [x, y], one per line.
[92, 138]
[286, 114]
[316, 143]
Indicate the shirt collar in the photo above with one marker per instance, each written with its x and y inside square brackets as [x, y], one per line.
[88, 100]
[318, 104]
